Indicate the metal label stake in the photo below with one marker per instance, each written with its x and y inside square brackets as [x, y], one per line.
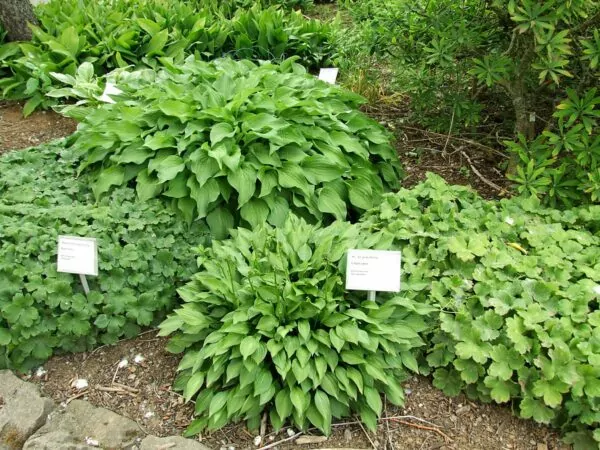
[84, 283]
[371, 295]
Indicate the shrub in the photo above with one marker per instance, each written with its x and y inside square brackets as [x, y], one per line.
[235, 143]
[266, 324]
[517, 287]
[144, 253]
[148, 33]
[560, 166]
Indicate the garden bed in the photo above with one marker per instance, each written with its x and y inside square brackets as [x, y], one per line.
[460, 424]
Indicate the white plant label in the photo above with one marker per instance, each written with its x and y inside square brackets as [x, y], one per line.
[329, 75]
[373, 270]
[77, 255]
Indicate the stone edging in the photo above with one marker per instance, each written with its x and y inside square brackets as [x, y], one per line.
[30, 421]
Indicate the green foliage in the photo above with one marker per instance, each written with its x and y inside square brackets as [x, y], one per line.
[149, 33]
[561, 166]
[517, 287]
[266, 324]
[228, 8]
[145, 252]
[237, 143]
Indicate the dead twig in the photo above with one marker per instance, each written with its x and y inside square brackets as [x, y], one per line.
[456, 138]
[449, 134]
[413, 418]
[388, 434]
[423, 427]
[116, 390]
[481, 177]
[367, 435]
[76, 396]
[127, 388]
[274, 444]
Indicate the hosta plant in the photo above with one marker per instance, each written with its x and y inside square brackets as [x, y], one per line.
[266, 325]
[517, 287]
[236, 143]
[149, 33]
[144, 253]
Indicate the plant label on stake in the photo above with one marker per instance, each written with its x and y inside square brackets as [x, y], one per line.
[373, 270]
[78, 255]
[328, 74]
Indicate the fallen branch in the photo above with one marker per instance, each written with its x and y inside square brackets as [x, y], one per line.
[423, 427]
[481, 177]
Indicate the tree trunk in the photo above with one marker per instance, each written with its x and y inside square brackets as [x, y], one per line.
[14, 16]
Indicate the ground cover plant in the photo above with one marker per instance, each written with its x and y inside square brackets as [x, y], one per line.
[517, 287]
[144, 250]
[237, 143]
[112, 34]
[266, 325]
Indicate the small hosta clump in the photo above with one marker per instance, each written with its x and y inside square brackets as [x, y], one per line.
[266, 324]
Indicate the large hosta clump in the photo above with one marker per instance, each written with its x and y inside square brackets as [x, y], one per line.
[267, 325]
[238, 143]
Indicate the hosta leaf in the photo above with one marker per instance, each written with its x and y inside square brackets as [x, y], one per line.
[329, 201]
[324, 408]
[244, 182]
[255, 212]
[373, 399]
[113, 176]
[176, 108]
[157, 43]
[168, 168]
[283, 404]
[221, 131]
[248, 346]
[220, 221]
[193, 385]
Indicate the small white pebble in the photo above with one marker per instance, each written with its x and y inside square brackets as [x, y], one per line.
[408, 391]
[123, 363]
[92, 442]
[148, 415]
[257, 441]
[138, 359]
[509, 220]
[271, 438]
[290, 432]
[40, 372]
[80, 384]
[231, 447]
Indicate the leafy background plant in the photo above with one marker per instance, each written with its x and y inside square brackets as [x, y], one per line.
[267, 325]
[145, 252]
[517, 289]
[141, 33]
[237, 143]
[490, 69]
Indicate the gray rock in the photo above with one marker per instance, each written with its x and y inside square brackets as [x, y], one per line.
[171, 443]
[68, 429]
[22, 410]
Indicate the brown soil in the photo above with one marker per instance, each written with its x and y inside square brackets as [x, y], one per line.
[460, 423]
[429, 419]
[17, 132]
